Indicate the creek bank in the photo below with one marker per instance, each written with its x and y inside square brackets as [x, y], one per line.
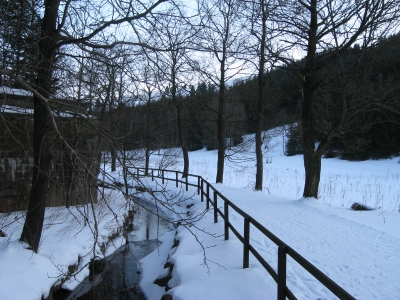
[96, 266]
[118, 276]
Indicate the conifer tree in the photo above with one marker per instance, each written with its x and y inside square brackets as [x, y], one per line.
[19, 36]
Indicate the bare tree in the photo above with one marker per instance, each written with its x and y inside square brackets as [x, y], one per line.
[325, 30]
[55, 34]
[222, 39]
[260, 27]
[147, 86]
[173, 33]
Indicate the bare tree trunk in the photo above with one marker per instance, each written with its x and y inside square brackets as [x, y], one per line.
[312, 160]
[148, 130]
[223, 42]
[113, 159]
[147, 159]
[179, 120]
[32, 229]
[221, 112]
[312, 166]
[259, 154]
[221, 129]
[260, 107]
[181, 136]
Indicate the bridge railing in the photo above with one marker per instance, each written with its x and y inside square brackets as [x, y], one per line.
[211, 196]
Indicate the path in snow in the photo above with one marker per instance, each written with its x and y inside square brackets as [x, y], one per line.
[355, 256]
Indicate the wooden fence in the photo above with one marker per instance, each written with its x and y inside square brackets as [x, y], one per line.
[204, 189]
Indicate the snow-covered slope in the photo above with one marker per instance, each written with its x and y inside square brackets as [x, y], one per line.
[357, 249]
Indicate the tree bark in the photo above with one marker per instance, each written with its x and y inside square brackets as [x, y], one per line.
[181, 136]
[312, 166]
[259, 154]
[148, 130]
[221, 113]
[113, 158]
[32, 229]
[221, 131]
[179, 117]
[260, 106]
[312, 160]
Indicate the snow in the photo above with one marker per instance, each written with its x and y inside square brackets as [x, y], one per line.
[66, 239]
[356, 249]
[360, 258]
[12, 91]
[9, 109]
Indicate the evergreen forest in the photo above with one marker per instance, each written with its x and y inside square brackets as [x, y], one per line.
[372, 133]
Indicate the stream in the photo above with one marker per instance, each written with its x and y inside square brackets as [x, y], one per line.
[121, 277]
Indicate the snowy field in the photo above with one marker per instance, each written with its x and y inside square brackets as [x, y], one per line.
[358, 250]
[373, 182]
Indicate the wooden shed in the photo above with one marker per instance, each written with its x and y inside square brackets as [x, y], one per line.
[70, 180]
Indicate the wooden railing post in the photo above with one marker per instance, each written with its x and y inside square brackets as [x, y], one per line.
[202, 190]
[226, 225]
[282, 290]
[208, 197]
[215, 207]
[246, 242]
[282, 273]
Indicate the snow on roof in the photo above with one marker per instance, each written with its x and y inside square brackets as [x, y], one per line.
[15, 110]
[20, 108]
[12, 91]
[29, 111]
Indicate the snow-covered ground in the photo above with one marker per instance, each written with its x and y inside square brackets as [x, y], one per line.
[68, 237]
[357, 249]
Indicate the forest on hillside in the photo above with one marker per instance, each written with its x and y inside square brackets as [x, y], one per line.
[372, 73]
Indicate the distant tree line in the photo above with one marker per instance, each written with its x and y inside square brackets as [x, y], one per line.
[372, 132]
[282, 101]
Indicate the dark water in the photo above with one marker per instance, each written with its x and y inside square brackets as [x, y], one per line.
[121, 277]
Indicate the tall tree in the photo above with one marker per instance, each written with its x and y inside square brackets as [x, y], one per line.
[222, 38]
[174, 33]
[257, 17]
[261, 83]
[325, 30]
[148, 85]
[54, 34]
[32, 229]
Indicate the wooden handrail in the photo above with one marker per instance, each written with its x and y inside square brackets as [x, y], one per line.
[283, 291]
